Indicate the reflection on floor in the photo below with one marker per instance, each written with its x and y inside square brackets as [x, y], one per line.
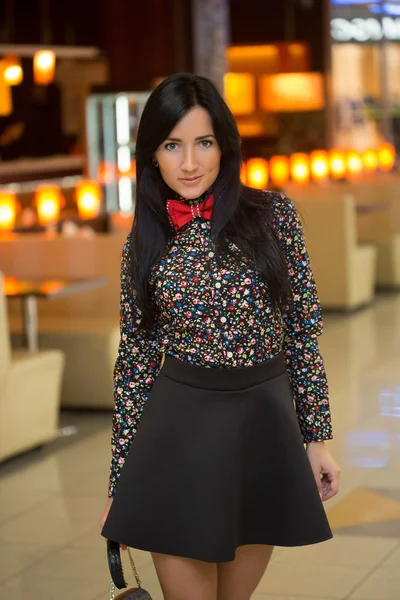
[51, 500]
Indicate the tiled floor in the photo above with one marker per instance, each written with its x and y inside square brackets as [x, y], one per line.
[51, 500]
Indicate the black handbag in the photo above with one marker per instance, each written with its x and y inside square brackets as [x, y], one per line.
[118, 578]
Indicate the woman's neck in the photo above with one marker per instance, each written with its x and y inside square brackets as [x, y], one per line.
[193, 201]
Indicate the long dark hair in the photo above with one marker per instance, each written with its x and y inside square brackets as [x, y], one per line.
[240, 214]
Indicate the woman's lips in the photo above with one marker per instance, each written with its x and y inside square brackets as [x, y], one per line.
[191, 180]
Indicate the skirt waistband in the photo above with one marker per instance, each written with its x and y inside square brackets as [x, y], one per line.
[222, 378]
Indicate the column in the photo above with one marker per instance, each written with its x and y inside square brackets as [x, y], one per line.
[211, 34]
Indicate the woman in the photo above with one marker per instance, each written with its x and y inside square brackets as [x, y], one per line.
[219, 326]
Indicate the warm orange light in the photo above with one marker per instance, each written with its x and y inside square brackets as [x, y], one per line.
[240, 93]
[279, 170]
[13, 74]
[370, 161]
[11, 286]
[282, 57]
[354, 164]
[292, 92]
[297, 49]
[250, 127]
[106, 173]
[253, 52]
[319, 165]
[48, 199]
[130, 171]
[386, 157]
[243, 173]
[297, 59]
[8, 210]
[337, 164]
[44, 62]
[5, 94]
[257, 173]
[300, 167]
[88, 199]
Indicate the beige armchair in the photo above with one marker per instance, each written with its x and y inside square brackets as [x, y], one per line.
[378, 216]
[29, 393]
[344, 270]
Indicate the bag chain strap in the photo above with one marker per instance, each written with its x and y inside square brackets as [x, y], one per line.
[135, 572]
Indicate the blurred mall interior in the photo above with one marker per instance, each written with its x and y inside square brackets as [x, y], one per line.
[315, 88]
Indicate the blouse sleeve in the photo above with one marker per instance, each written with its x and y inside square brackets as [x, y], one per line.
[135, 371]
[303, 325]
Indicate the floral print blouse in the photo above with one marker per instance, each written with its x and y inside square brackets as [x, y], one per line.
[220, 317]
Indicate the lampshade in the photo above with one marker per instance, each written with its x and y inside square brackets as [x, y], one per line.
[319, 165]
[88, 199]
[279, 170]
[44, 62]
[257, 173]
[13, 74]
[48, 200]
[386, 156]
[255, 59]
[370, 161]
[354, 164]
[337, 164]
[300, 167]
[8, 210]
[261, 59]
[240, 93]
[292, 92]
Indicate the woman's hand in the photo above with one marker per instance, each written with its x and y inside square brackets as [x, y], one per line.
[326, 470]
[104, 515]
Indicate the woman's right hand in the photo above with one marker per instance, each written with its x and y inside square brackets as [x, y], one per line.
[105, 512]
[104, 516]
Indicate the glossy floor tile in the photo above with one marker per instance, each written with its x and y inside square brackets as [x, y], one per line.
[51, 500]
[311, 581]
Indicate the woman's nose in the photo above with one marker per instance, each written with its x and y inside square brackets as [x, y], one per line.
[189, 163]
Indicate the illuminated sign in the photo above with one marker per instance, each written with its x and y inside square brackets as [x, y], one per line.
[344, 2]
[365, 29]
[382, 5]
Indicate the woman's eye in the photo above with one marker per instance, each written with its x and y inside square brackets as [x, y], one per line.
[206, 143]
[171, 146]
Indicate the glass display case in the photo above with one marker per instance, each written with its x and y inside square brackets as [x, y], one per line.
[112, 121]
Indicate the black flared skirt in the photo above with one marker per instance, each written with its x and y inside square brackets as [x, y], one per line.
[218, 462]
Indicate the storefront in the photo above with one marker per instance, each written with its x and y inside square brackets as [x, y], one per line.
[365, 42]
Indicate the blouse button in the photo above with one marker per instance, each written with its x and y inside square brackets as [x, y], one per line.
[229, 354]
[223, 319]
[218, 285]
[210, 254]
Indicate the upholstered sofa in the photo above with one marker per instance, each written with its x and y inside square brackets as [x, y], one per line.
[30, 386]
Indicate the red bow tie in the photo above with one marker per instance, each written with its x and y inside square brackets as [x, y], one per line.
[181, 213]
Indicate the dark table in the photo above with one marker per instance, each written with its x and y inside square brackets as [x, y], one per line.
[29, 290]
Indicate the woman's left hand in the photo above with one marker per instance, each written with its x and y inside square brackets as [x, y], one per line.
[326, 470]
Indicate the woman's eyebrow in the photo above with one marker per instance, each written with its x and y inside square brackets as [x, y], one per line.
[197, 139]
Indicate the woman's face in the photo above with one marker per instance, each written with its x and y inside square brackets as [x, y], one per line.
[189, 159]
